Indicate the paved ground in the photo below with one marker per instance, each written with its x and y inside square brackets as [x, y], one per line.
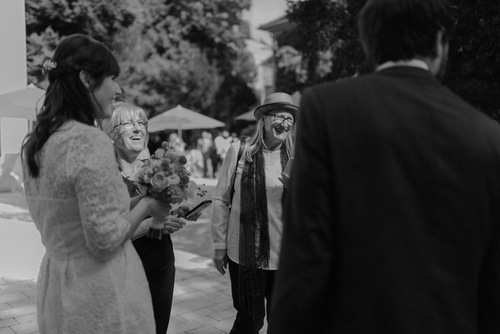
[202, 299]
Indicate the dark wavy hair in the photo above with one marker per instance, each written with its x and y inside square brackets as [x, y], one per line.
[66, 97]
[392, 30]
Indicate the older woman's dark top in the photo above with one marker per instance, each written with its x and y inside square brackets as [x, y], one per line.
[158, 259]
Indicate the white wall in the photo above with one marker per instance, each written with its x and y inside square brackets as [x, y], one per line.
[13, 74]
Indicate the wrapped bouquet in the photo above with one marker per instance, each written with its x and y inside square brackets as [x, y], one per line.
[164, 176]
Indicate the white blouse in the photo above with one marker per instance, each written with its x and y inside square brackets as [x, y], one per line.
[225, 227]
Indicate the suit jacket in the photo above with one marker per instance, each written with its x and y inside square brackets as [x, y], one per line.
[392, 223]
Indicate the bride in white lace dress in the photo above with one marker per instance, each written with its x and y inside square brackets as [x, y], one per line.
[91, 278]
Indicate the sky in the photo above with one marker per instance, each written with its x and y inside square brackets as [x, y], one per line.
[261, 12]
[264, 11]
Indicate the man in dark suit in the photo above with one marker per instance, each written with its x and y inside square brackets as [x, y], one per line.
[392, 224]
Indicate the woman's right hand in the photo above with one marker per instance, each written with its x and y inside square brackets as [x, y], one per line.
[285, 179]
[173, 224]
[220, 260]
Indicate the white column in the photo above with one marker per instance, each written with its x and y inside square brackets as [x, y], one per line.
[13, 73]
[20, 248]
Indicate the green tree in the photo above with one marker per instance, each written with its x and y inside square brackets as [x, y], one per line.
[474, 54]
[323, 45]
[161, 82]
[318, 23]
[183, 51]
[474, 58]
[170, 51]
[47, 21]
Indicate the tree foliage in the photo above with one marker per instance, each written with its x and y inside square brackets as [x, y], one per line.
[188, 49]
[47, 21]
[170, 51]
[323, 45]
[317, 21]
[474, 60]
[474, 56]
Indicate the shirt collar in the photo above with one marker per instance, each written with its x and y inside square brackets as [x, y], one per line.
[265, 147]
[411, 63]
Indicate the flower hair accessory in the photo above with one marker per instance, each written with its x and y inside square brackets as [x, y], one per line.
[48, 66]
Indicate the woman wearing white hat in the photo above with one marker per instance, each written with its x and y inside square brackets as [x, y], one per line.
[247, 210]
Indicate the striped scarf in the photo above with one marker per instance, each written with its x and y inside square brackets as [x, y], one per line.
[254, 228]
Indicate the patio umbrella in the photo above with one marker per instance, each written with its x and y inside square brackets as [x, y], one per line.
[22, 103]
[180, 118]
[248, 116]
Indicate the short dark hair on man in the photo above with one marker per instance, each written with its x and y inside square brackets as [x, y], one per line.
[392, 30]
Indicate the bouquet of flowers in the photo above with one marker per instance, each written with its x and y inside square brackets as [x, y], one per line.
[164, 176]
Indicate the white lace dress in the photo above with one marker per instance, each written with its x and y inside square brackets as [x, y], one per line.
[90, 281]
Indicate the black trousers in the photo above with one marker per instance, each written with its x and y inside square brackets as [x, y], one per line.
[158, 259]
[244, 323]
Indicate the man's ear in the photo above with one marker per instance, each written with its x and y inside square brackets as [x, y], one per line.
[437, 64]
[85, 79]
[441, 44]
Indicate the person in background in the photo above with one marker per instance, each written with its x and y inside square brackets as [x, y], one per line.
[91, 279]
[393, 219]
[247, 208]
[221, 145]
[206, 144]
[128, 130]
[234, 137]
[195, 160]
[176, 142]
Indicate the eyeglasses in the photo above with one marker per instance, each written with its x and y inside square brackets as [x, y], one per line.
[282, 119]
[129, 125]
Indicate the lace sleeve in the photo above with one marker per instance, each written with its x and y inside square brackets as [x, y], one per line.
[102, 196]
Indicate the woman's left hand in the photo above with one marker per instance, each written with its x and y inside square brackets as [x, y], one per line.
[173, 224]
[285, 179]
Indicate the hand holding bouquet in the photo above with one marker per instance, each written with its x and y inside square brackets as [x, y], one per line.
[164, 176]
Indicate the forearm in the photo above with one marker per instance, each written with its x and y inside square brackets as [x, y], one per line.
[136, 216]
[219, 223]
[142, 229]
[134, 200]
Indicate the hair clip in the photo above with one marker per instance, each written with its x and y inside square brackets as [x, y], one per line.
[48, 66]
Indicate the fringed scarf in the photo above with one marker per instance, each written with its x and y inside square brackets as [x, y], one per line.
[254, 228]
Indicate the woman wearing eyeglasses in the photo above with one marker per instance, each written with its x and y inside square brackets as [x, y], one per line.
[128, 129]
[247, 211]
